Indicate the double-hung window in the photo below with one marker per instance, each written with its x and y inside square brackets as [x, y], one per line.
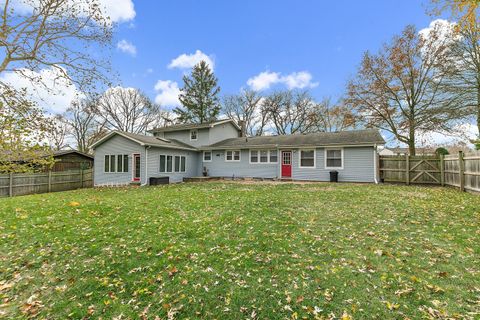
[334, 158]
[207, 156]
[232, 155]
[193, 135]
[307, 158]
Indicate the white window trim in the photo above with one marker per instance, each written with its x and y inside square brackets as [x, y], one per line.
[314, 158]
[233, 158]
[196, 135]
[258, 155]
[211, 156]
[343, 159]
[173, 163]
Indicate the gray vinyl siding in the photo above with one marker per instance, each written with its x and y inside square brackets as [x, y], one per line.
[114, 146]
[218, 167]
[222, 132]
[203, 137]
[358, 166]
[153, 165]
[206, 136]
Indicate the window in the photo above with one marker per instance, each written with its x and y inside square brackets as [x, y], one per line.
[107, 163]
[193, 134]
[253, 156]
[116, 163]
[119, 163]
[307, 158]
[125, 163]
[183, 163]
[207, 156]
[112, 163]
[169, 164]
[273, 156]
[334, 158]
[232, 155]
[263, 156]
[163, 163]
[177, 163]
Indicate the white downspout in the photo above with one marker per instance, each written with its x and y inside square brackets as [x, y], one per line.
[375, 178]
[146, 166]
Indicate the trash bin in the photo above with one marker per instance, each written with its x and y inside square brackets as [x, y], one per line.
[155, 181]
[333, 176]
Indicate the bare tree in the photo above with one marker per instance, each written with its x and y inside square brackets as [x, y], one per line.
[62, 34]
[246, 107]
[331, 117]
[57, 132]
[291, 112]
[463, 76]
[398, 89]
[85, 128]
[127, 109]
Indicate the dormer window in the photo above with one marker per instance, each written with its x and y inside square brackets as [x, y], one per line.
[193, 134]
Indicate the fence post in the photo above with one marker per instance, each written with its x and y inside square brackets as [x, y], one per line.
[442, 170]
[462, 170]
[407, 169]
[49, 180]
[10, 185]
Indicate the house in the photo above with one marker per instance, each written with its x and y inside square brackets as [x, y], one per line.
[219, 149]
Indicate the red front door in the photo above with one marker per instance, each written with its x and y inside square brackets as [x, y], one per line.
[286, 164]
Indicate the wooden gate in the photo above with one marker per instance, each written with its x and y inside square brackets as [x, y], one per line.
[411, 169]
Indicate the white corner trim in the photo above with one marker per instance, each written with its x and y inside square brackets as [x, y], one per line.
[325, 159]
[314, 158]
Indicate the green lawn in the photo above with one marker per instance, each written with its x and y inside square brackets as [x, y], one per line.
[236, 251]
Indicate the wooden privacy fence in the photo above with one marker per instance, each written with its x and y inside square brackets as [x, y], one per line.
[17, 184]
[460, 170]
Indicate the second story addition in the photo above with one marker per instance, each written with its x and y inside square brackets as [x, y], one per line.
[198, 135]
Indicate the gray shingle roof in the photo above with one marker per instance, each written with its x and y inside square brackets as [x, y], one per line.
[190, 126]
[354, 137]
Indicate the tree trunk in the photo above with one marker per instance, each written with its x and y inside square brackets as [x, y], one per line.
[411, 140]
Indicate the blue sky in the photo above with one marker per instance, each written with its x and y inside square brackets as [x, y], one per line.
[323, 39]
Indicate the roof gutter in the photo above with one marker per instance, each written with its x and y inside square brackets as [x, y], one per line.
[264, 146]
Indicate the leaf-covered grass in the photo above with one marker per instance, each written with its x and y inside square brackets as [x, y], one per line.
[236, 251]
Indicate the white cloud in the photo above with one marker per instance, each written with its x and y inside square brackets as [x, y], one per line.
[127, 47]
[187, 61]
[55, 99]
[443, 27]
[294, 80]
[264, 80]
[118, 10]
[167, 93]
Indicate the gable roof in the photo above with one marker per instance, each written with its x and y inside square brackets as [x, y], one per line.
[146, 141]
[192, 126]
[354, 137]
[65, 152]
